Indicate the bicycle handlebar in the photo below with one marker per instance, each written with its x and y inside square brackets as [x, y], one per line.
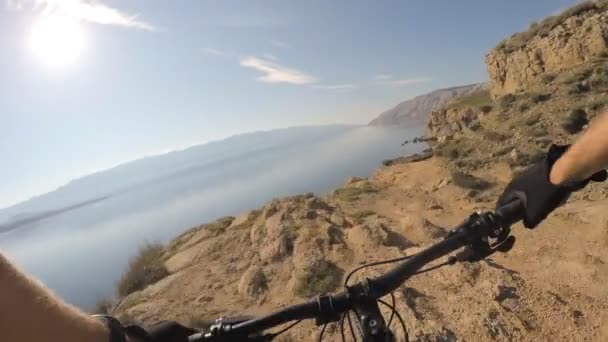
[477, 229]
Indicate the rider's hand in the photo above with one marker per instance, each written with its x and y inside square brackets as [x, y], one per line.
[538, 195]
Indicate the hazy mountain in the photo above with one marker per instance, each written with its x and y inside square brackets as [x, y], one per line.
[146, 182]
[417, 110]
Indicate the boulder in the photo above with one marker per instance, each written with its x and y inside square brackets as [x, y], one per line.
[253, 283]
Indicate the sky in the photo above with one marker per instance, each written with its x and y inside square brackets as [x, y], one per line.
[113, 81]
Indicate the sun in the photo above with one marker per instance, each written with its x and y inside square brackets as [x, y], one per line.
[57, 41]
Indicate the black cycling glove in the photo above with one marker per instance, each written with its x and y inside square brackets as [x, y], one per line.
[538, 195]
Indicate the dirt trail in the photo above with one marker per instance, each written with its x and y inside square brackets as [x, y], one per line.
[550, 286]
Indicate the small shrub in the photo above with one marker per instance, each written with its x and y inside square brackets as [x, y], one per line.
[352, 193]
[467, 181]
[451, 151]
[506, 101]
[145, 268]
[495, 136]
[580, 88]
[538, 98]
[547, 78]
[485, 109]
[596, 105]
[532, 120]
[575, 121]
[323, 278]
[599, 80]
[578, 75]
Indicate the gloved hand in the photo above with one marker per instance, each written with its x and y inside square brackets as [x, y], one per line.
[538, 195]
[165, 331]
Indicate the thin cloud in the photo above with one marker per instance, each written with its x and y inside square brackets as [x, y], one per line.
[381, 77]
[401, 82]
[270, 57]
[279, 43]
[215, 52]
[86, 10]
[342, 87]
[275, 73]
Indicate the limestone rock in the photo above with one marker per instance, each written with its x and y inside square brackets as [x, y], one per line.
[573, 41]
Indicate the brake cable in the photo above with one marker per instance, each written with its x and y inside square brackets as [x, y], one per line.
[289, 327]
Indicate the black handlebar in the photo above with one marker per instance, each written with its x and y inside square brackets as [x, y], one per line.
[475, 233]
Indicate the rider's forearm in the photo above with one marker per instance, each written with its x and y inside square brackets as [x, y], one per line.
[29, 312]
[586, 157]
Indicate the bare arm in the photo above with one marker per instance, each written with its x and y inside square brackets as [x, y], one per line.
[586, 157]
[29, 312]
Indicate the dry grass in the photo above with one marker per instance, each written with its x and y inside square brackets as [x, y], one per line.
[478, 99]
[352, 193]
[145, 268]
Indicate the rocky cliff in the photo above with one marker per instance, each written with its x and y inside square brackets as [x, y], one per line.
[417, 110]
[557, 43]
[546, 85]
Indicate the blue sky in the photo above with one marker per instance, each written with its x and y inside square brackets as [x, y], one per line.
[155, 76]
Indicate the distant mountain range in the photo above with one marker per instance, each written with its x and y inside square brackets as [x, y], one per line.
[417, 110]
[213, 161]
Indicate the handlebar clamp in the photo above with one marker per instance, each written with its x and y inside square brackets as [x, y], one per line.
[327, 312]
[488, 226]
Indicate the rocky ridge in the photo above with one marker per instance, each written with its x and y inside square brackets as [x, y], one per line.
[549, 47]
[416, 110]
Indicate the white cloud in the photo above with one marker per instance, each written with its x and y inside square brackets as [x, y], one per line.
[390, 81]
[279, 43]
[275, 73]
[91, 11]
[215, 52]
[342, 87]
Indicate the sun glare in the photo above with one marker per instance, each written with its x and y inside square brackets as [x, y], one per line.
[57, 41]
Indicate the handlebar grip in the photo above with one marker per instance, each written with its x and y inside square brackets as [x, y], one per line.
[511, 213]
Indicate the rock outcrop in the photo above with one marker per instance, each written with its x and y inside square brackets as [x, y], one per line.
[449, 121]
[555, 44]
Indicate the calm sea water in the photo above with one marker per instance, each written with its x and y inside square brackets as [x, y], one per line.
[81, 254]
